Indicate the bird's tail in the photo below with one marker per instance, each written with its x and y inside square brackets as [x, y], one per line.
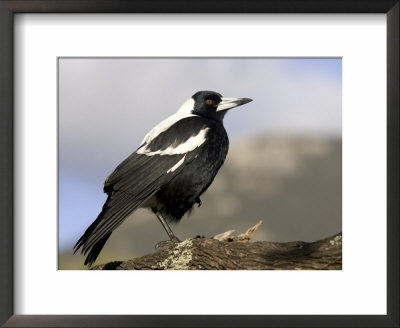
[95, 250]
[114, 211]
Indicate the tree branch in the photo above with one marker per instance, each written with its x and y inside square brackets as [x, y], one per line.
[227, 252]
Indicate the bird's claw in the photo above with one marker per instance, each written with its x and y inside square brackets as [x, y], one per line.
[199, 237]
[167, 243]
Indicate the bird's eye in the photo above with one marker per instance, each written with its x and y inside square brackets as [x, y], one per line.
[209, 101]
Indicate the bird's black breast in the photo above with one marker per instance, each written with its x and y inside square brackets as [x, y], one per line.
[182, 192]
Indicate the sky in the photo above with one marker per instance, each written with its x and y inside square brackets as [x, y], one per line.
[107, 105]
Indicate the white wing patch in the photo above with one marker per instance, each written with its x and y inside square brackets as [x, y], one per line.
[191, 144]
[184, 111]
[172, 169]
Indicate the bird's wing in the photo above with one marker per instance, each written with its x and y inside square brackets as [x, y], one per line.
[142, 174]
[180, 143]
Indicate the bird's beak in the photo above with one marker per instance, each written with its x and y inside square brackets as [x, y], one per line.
[228, 103]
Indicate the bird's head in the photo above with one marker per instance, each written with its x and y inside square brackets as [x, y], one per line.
[212, 105]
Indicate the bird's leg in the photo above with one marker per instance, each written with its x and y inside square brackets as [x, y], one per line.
[167, 229]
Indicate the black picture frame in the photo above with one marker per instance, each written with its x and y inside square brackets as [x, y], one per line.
[10, 7]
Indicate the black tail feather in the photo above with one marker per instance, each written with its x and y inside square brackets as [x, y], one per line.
[116, 208]
[81, 242]
[96, 249]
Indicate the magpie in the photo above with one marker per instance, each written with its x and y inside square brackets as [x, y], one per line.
[174, 165]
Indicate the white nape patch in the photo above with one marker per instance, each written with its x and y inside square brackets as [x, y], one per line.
[191, 144]
[186, 108]
[184, 111]
[172, 169]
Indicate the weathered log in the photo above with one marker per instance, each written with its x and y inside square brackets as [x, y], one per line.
[227, 252]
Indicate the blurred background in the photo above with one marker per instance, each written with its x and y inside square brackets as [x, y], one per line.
[284, 165]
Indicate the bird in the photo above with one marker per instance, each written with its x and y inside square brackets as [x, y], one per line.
[173, 166]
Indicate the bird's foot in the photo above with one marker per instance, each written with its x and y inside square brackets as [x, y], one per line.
[199, 237]
[167, 243]
[175, 239]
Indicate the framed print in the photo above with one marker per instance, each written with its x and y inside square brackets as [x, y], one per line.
[54, 62]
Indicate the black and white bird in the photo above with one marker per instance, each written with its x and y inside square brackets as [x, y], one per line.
[174, 165]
